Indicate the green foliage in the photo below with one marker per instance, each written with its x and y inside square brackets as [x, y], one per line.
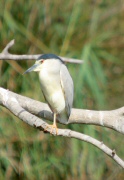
[88, 30]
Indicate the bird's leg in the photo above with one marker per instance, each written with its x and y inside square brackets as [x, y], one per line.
[54, 125]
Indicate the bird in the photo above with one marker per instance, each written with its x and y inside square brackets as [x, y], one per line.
[56, 85]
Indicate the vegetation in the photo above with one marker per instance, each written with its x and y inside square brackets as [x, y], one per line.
[88, 30]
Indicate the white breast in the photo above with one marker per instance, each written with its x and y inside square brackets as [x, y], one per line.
[51, 87]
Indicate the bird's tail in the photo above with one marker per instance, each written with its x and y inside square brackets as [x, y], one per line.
[62, 118]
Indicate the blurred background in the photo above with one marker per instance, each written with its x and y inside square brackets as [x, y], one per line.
[91, 30]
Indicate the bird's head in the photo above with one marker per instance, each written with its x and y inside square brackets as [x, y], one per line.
[47, 61]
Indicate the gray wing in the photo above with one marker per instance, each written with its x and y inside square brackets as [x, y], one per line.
[67, 87]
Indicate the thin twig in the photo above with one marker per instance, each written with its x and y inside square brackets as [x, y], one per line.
[8, 46]
[5, 55]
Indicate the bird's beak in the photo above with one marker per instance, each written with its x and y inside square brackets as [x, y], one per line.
[32, 68]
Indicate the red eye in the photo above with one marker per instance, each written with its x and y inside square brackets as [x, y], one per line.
[42, 61]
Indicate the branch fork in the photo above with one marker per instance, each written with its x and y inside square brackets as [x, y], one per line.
[22, 106]
[6, 55]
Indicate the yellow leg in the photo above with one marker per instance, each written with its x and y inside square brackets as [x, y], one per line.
[54, 125]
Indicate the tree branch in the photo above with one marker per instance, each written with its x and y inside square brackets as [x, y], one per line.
[11, 101]
[24, 109]
[113, 119]
[6, 55]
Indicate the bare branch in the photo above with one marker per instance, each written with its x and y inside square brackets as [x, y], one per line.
[24, 109]
[6, 55]
[9, 45]
[113, 119]
[11, 102]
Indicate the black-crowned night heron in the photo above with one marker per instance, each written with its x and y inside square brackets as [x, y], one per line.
[56, 85]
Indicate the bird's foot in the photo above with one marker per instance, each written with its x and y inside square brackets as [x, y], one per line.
[52, 127]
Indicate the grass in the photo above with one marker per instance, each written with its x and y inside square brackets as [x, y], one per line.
[89, 30]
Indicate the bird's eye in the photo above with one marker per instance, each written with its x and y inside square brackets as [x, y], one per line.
[42, 61]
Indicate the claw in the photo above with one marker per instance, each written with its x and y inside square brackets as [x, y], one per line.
[52, 127]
